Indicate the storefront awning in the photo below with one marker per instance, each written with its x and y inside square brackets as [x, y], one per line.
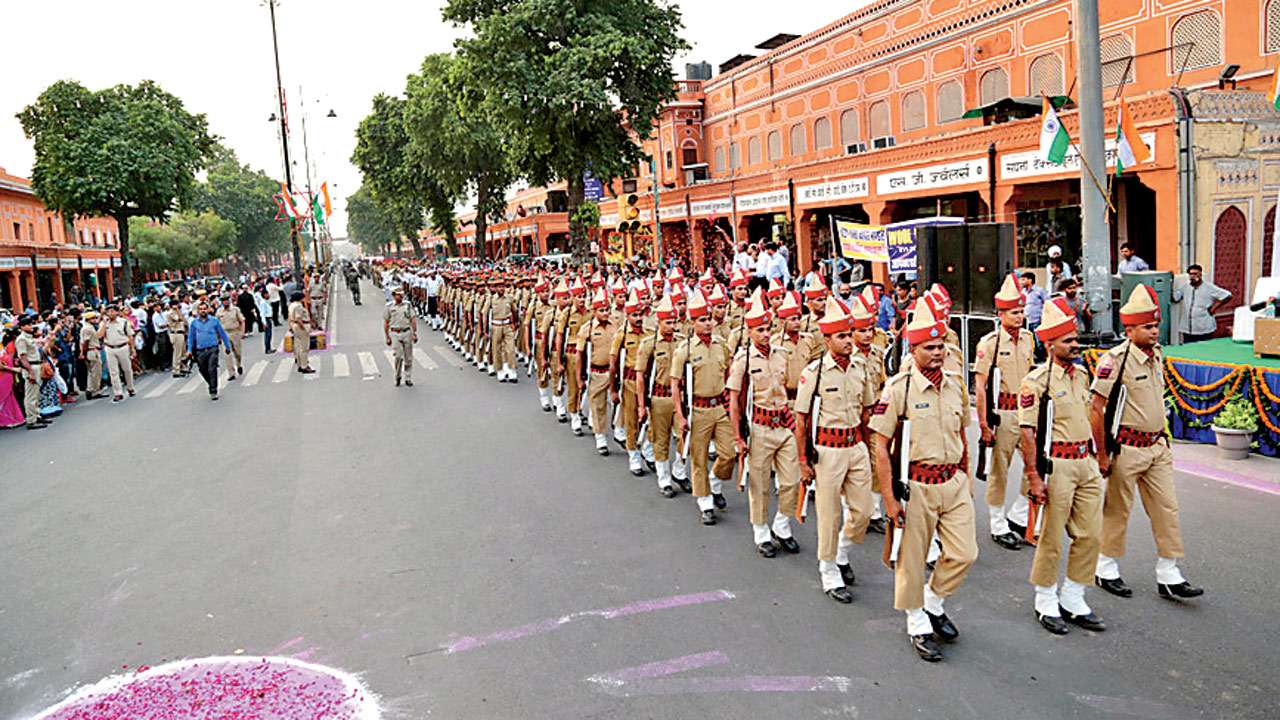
[1015, 108]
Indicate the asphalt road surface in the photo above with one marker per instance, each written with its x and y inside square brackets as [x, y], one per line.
[467, 557]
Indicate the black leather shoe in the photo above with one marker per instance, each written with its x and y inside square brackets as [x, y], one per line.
[1055, 625]
[36, 426]
[708, 517]
[787, 544]
[604, 451]
[876, 526]
[684, 484]
[408, 383]
[652, 466]
[638, 472]
[720, 502]
[840, 595]
[1008, 541]
[562, 419]
[577, 432]
[1016, 529]
[513, 380]
[766, 549]
[1115, 586]
[397, 382]
[943, 627]
[928, 566]
[1180, 591]
[926, 647]
[1088, 622]
[667, 492]
[846, 574]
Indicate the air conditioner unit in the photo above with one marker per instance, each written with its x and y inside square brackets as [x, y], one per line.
[855, 148]
[885, 141]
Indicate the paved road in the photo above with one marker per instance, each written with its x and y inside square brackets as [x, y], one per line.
[468, 558]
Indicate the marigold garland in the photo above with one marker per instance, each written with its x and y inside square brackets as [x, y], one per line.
[1260, 389]
[1226, 396]
[1184, 384]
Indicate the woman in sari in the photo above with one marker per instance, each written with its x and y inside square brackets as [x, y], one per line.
[10, 408]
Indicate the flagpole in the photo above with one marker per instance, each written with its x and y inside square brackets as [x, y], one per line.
[284, 142]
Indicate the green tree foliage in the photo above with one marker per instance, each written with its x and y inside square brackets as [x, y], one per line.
[246, 197]
[566, 79]
[368, 225]
[395, 183]
[123, 152]
[455, 142]
[187, 240]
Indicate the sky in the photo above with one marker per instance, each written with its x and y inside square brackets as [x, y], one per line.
[335, 55]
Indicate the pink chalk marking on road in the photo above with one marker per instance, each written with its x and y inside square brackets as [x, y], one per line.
[1226, 476]
[286, 645]
[541, 627]
[660, 668]
[743, 683]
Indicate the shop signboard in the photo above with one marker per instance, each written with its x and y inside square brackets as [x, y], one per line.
[862, 242]
[933, 177]
[824, 192]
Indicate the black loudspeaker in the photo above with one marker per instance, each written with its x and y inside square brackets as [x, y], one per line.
[951, 266]
[991, 256]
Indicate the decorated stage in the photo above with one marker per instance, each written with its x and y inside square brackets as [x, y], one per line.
[1204, 376]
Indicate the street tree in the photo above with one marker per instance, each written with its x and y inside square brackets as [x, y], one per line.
[123, 152]
[187, 240]
[573, 84]
[246, 197]
[368, 225]
[381, 154]
[455, 142]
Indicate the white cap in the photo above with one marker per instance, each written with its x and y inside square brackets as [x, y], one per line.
[1055, 251]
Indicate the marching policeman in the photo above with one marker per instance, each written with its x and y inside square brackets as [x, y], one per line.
[623, 357]
[502, 318]
[595, 339]
[400, 327]
[654, 356]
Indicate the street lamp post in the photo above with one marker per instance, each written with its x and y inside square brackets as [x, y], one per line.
[284, 142]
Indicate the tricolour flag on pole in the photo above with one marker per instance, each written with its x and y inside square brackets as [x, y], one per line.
[287, 204]
[324, 192]
[1053, 137]
[317, 210]
[1130, 149]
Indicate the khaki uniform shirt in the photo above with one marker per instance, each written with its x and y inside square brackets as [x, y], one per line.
[845, 392]
[710, 365]
[89, 338]
[26, 347]
[654, 356]
[799, 350]
[176, 323]
[568, 325]
[629, 338]
[938, 415]
[118, 332]
[601, 337]
[299, 318]
[809, 324]
[1144, 377]
[398, 316]
[501, 307]
[1069, 390]
[873, 358]
[767, 373]
[232, 320]
[1015, 360]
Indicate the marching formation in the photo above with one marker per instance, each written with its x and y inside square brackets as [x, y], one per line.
[807, 406]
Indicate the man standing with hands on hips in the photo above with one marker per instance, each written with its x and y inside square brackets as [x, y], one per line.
[204, 337]
[401, 329]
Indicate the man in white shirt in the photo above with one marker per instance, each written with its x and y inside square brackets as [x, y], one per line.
[777, 265]
[432, 285]
[1203, 300]
[1055, 253]
[742, 259]
[1130, 262]
[273, 296]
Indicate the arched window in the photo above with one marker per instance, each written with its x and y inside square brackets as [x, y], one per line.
[849, 127]
[1230, 233]
[719, 155]
[775, 145]
[1117, 60]
[1271, 23]
[1045, 75]
[821, 133]
[878, 117]
[993, 86]
[913, 112]
[735, 157]
[950, 104]
[753, 151]
[798, 146]
[1197, 41]
[1268, 240]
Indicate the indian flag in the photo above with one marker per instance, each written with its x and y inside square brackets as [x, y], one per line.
[1275, 89]
[324, 193]
[1130, 150]
[317, 209]
[1053, 137]
[287, 204]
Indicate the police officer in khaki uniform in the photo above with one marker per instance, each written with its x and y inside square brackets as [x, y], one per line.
[400, 328]
[939, 500]
[503, 320]
[566, 338]
[1012, 350]
[557, 316]
[798, 345]
[117, 335]
[300, 332]
[708, 361]
[233, 323]
[833, 404]
[1070, 495]
[867, 344]
[1144, 462]
[653, 356]
[177, 327]
[91, 354]
[758, 399]
[27, 354]
[595, 340]
[623, 357]
[543, 312]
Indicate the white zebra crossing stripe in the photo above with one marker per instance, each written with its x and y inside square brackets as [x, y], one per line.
[341, 366]
[391, 358]
[424, 359]
[255, 373]
[449, 357]
[162, 388]
[196, 381]
[283, 371]
[367, 364]
[317, 364]
[222, 380]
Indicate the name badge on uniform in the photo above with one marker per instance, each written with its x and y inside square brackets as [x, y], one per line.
[922, 406]
[1061, 393]
[831, 389]
[1141, 377]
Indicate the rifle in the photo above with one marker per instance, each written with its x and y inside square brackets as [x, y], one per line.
[564, 343]
[622, 383]
[584, 372]
[1116, 400]
[533, 343]
[744, 427]
[900, 471]
[1044, 463]
[687, 398]
[810, 448]
[990, 411]
[651, 374]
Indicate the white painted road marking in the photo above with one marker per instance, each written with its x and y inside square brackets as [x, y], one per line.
[449, 357]
[341, 366]
[255, 373]
[196, 381]
[367, 364]
[424, 359]
[162, 388]
[283, 371]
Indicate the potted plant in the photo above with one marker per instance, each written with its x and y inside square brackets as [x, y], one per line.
[1235, 427]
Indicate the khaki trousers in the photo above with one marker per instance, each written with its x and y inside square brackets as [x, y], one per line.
[598, 399]
[120, 369]
[1150, 470]
[947, 511]
[771, 449]
[402, 345]
[31, 397]
[662, 412]
[842, 473]
[705, 424]
[237, 342]
[1008, 436]
[630, 414]
[93, 370]
[541, 368]
[301, 348]
[574, 378]
[179, 343]
[1075, 506]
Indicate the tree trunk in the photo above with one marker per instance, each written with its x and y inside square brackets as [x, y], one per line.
[482, 221]
[417, 245]
[126, 270]
[579, 241]
[451, 240]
